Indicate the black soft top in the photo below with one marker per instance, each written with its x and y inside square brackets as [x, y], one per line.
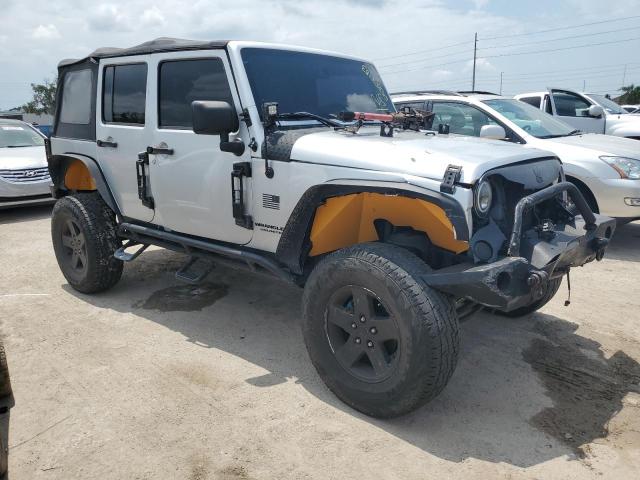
[163, 44]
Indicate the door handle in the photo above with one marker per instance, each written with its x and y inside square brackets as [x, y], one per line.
[106, 143]
[159, 151]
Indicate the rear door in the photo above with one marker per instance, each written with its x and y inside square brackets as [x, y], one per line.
[192, 183]
[123, 129]
[573, 109]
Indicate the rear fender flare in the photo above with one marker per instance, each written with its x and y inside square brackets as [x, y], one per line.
[58, 166]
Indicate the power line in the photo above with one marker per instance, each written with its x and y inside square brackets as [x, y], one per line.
[561, 28]
[422, 59]
[560, 49]
[557, 39]
[423, 51]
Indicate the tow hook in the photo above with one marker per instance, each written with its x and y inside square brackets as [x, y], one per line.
[537, 281]
[599, 245]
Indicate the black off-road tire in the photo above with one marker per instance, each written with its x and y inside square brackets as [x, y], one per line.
[425, 322]
[552, 288]
[5, 382]
[84, 218]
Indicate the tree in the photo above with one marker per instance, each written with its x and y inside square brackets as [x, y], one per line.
[631, 95]
[44, 98]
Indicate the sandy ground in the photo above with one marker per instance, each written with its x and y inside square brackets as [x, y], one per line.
[155, 379]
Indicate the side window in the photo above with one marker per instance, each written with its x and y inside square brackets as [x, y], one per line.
[547, 105]
[184, 81]
[76, 98]
[570, 105]
[462, 119]
[416, 105]
[533, 101]
[124, 91]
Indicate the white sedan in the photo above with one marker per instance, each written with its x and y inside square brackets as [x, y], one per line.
[605, 168]
[24, 175]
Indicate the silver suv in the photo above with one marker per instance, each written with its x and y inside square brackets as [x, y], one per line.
[294, 162]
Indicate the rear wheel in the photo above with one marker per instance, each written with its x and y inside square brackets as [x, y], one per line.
[380, 338]
[83, 229]
[5, 382]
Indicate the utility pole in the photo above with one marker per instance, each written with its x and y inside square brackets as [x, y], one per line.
[584, 85]
[475, 51]
[624, 74]
[501, 82]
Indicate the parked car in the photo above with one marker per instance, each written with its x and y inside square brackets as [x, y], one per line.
[240, 155]
[24, 178]
[44, 129]
[631, 108]
[605, 168]
[588, 112]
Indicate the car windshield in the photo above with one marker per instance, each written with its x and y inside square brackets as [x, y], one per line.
[16, 135]
[314, 83]
[532, 120]
[609, 105]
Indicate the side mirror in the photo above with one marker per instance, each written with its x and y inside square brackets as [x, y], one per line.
[493, 131]
[596, 111]
[217, 118]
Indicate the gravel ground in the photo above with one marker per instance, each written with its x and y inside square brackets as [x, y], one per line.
[155, 379]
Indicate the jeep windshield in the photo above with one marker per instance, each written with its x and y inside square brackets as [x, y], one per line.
[531, 119]
[309, 82]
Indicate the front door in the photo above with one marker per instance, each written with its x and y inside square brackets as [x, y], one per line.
[123, 129]
[574, 110]
[190, 175]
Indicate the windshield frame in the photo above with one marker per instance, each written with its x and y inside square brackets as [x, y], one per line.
[23, 126]
[535, 112]
[254, 101]
[604, 101]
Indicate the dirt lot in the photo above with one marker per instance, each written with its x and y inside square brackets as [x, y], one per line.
[155, 379]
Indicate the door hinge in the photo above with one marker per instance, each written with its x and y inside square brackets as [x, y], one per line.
[240, 170]
[143, 186]
[246, 118]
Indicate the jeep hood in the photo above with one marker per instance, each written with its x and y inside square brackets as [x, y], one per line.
[413, 153]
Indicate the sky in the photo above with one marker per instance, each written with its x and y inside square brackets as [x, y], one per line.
[416, 44]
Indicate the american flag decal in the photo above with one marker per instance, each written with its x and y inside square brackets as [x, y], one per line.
[271, 201]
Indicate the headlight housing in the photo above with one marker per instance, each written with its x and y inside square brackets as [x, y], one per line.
[625, 166]
[483, 197]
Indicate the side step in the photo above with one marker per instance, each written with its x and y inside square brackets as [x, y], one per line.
[122, 254]
[194, 276]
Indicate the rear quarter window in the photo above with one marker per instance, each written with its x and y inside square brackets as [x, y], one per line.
[76, 97]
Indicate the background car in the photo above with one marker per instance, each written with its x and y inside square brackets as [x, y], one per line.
[631, 108]
[588, 112]
[24, 175]
[6, 402]
[606, 169]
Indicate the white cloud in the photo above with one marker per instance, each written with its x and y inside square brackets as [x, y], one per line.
[46, 32]
[441, 74]
[109, 17]
[480, 4]
[482, 64]
[153, 17]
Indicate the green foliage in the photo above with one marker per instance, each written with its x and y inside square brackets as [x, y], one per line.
[631, 95]
[44, 98]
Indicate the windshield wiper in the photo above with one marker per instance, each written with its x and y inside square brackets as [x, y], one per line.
[308, 115]
[19, 146]
[574, 132]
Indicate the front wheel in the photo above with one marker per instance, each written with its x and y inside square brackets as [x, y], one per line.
[380, 338]
[83, 230]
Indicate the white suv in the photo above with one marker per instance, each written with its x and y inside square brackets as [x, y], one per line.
[235, 150]
[605, 168]
[588, 112]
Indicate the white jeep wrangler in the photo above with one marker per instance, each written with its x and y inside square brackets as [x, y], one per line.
[294, 162]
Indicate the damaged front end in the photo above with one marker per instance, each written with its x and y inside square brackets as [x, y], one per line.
[517, 252]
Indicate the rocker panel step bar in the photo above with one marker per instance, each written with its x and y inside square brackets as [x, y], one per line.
[182, 243]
